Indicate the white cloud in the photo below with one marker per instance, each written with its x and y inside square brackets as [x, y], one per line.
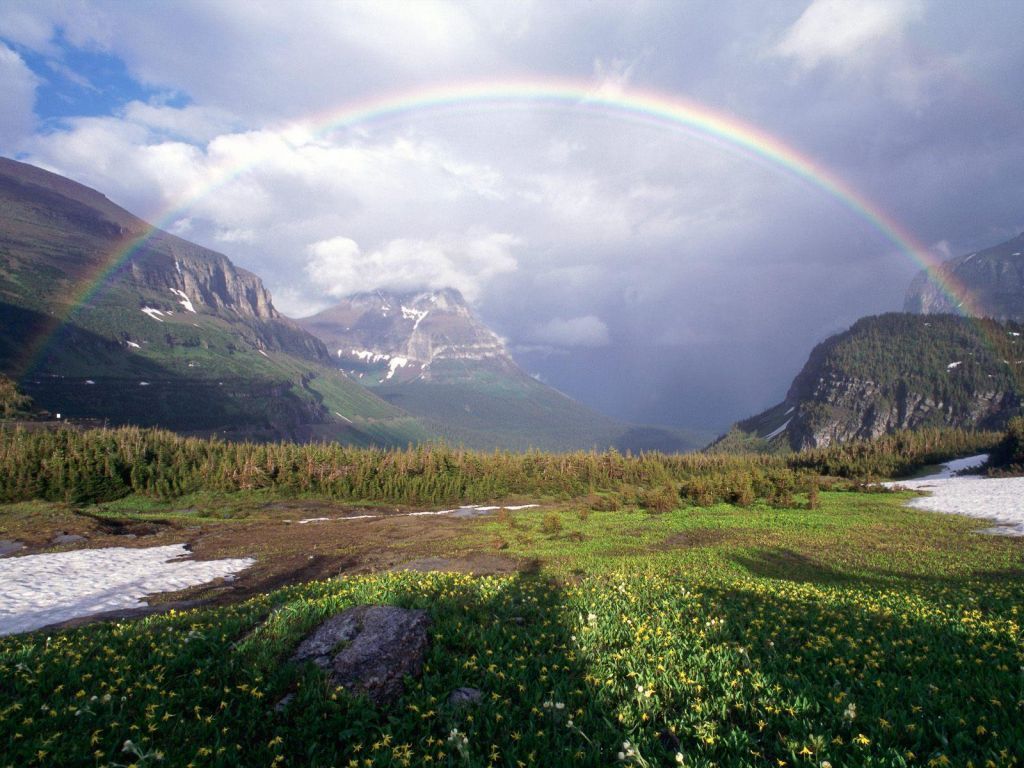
[612, 77]
[339, 267]
[585, 331]
[846, 31]
[17, 99]
[248, 56]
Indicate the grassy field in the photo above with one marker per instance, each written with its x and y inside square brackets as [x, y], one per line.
[860, 633]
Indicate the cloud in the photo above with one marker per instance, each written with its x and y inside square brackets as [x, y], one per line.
[17, 98]
[620, 227]
[846, 31]
[612, 77]
[585, 331]
[339, 266]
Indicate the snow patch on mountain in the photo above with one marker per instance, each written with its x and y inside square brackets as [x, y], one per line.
[185, 301]
[395, 364]
[154, 313]
[778, 431]
[414, 314]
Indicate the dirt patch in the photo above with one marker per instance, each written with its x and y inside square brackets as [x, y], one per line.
[288, 553]
[66, 529]
[476, 563]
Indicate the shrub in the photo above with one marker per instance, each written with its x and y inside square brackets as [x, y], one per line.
[551, 524]
[659, 500]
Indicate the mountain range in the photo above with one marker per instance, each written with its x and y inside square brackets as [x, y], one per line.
[993, 277]
[110, 319]
[107, 318]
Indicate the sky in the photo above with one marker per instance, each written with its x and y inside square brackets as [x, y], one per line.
[657, 273]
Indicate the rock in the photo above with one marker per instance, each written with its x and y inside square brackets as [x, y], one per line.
[8, 547]
[465, 696]
[67, 538]
[282, 705]
[369, 649]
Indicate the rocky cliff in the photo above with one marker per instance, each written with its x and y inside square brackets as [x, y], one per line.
[994, 279]
[894, 372]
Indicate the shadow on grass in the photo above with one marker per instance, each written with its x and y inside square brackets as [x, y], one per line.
[748, 672]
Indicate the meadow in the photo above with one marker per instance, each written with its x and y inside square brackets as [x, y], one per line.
[836, 629]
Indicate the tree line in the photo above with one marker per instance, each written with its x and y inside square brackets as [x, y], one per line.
[105, 464]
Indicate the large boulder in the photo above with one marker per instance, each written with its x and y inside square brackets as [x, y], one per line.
[369, 649]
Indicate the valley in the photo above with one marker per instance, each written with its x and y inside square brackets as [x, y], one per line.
[577, 596]
[511, 384]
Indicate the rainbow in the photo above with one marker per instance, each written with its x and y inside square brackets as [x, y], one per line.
[667, 111]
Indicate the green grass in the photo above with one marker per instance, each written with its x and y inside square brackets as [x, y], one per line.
[858, 634]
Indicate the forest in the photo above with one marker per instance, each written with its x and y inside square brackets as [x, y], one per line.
[99, 465]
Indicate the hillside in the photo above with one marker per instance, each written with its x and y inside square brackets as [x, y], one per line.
[106, 318]
[994, 278]
[426, 352]
[893, 372]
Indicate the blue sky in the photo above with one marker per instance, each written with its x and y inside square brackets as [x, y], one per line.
[646, 271]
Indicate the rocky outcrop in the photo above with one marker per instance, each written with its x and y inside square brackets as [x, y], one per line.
[839, 410]
[897, 372]
[206, 280]
[370, 649]
[992, 278]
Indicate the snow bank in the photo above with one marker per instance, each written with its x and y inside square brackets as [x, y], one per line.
[45, 589]
[1000, 499]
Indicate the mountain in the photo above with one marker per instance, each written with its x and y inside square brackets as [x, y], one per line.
[426, 352]
[893, 372]
[105, 317]
[993, 277]
[387, 337]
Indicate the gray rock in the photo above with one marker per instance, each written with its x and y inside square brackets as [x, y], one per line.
[8, 547]
[369, 649]
[465, 696]
[67, 538]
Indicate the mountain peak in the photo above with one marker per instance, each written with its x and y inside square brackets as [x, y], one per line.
[387, 334]
[994, 278]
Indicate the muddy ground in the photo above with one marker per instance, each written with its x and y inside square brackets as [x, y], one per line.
[286, 551]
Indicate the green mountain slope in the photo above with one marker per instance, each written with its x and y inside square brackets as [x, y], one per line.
[893, 372]
[174, 335]
[427, 353]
